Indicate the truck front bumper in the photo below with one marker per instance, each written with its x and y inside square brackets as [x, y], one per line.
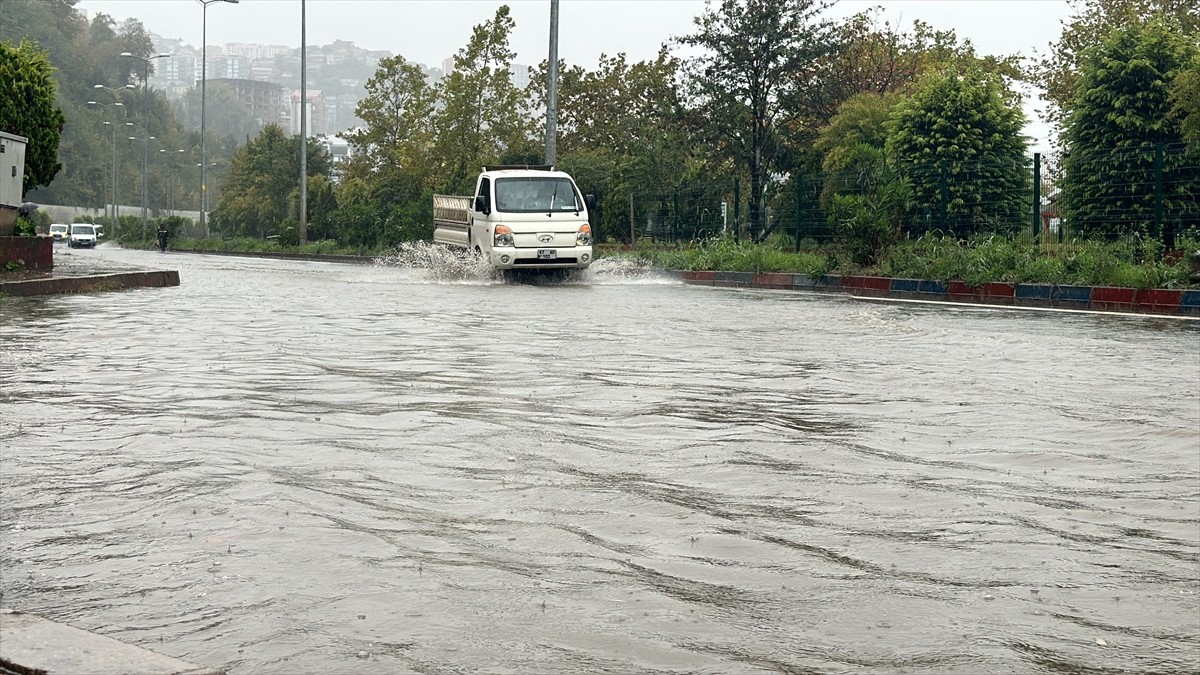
[508, 258]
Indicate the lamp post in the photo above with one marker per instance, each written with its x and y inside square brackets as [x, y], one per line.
[145, 119]
[302, 230]
[115, 104]
[203, 81]
[121, 105]
[174, 177]
[552, 88]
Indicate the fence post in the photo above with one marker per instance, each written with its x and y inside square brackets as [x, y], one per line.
[737, 208]
[943, 198]
[678, 219]
[1168, 238]
[799, 201]
[632, 237]
[1037, 195]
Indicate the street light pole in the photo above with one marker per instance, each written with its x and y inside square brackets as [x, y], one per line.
[203, 87]
[114, 142]
[171, 195]
[552, 88]
[302, 230]
[120, 105]
[145, 121]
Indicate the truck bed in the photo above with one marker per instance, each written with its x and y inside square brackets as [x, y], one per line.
[451, 214]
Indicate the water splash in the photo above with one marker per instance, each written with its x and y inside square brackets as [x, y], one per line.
[439, 263]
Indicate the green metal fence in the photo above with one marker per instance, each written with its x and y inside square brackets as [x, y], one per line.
[1151, 191]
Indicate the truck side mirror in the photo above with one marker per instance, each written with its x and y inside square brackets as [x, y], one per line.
[481, 204]
[590, 200]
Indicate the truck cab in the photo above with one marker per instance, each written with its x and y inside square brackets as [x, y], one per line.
[525, 217]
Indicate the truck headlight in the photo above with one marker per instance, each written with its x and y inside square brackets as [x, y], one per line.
[503, 237]
[584, 236]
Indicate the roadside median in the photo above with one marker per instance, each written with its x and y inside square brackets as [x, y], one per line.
[1157, 301]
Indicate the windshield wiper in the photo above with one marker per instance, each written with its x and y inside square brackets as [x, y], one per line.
[552, 198]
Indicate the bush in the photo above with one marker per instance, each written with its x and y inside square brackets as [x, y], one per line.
[979, 260]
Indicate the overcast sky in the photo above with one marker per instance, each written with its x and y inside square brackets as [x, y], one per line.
[428, 31]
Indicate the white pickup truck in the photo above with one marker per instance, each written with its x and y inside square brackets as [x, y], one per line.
[520, 217]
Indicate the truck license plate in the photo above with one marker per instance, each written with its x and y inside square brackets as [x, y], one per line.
[547, 254]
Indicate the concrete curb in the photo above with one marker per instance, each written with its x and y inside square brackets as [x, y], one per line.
[1156, 301]
[90, 283]
[313, 257]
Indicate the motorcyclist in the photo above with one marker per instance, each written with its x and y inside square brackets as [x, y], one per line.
[163, 233]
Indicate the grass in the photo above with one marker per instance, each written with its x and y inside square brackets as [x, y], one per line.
[976, 261]
[982, 259]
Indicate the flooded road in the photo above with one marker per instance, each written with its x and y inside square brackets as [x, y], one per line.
[290, 467]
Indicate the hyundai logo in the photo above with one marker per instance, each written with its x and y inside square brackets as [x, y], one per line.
[545, 238]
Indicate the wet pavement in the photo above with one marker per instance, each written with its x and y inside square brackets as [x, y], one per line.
[297, 467]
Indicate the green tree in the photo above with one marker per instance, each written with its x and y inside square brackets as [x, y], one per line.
[860, 121]
[393, 150]
[27, 108]
[869, 57]
[1059, 70]
[1118, 121]
[752, 49]
[1185, 103]
[261, 190]
[959, 140]
[620, 130]
[480, 118]
[84, 54]
[867, 219]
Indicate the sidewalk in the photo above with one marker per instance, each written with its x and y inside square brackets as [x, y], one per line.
[82, 274]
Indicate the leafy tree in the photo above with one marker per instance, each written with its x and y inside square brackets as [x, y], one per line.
[393, 150]
[84, 54]
[620, 130]
[868, 218]
[27, 108]
[480, 115]
[262, 187]
[1119, 117]
[860, 121]
[959, 141]
[867, 57]
[752, 49]
[1185, 103]
[1060, 70]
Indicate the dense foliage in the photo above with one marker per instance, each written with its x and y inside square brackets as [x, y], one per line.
[263, 188]
[1126, 165]
[961, 146]
[27, 109]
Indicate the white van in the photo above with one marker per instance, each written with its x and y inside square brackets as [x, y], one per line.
[59, 231]
[82, 234]
[526, 217]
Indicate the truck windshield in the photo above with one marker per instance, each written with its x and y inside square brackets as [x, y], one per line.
[82, 229]
[536, 194]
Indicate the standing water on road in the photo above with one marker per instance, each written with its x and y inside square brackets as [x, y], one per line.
[293, 467]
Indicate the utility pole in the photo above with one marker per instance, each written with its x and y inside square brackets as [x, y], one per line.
[302, 230]
[145, 120]
[552, 88]
[203, 90]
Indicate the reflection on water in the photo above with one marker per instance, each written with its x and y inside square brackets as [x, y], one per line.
[414, 467]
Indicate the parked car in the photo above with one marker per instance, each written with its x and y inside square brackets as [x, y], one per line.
[82, 234]
[59, 231]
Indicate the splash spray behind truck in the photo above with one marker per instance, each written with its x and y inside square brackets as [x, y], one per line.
[520, 217]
